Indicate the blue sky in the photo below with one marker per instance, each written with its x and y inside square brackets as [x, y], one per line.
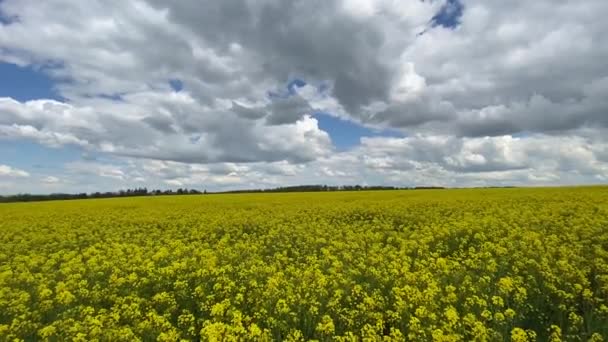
[25, 83]
[449, 15]
[28, 155]
[346, 134]
[406, 93]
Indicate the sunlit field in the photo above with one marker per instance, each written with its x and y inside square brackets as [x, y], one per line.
[443, 265]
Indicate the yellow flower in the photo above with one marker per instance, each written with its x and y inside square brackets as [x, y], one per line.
[555, 334]
[596, 337]
[498, 301]
[326, 326]
[47, 331]
[506, 285]
[451, 315]
[519, 335]
[499, 317]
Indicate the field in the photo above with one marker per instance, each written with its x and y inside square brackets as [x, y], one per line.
[443, 265]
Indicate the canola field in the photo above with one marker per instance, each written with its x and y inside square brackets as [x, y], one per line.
[428, 265]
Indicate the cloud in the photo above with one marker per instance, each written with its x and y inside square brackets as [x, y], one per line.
[96, 169]
[51, 180]
[168, 126]
[287, 111]
[538, 159]
[11, 172]
[521, 69]
[496, 74]
[483, 91]
[410, 161]
[525, 160]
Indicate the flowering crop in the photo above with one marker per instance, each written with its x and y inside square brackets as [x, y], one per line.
[442, 265]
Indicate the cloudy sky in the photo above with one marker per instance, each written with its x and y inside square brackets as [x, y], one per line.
[228, 94]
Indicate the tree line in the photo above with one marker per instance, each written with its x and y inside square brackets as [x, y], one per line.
[108, 194]
[185, 191]
[320, 188]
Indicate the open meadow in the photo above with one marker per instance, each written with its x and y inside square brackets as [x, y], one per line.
[444, 265]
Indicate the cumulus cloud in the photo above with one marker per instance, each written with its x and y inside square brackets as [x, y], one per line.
[11, 172]
[501, 71]
[481, 90]
[51, 180]
[169, 127]
[480, 157]
[411, 161]
[97, 169]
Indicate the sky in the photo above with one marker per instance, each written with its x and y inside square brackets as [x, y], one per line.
[234, 94]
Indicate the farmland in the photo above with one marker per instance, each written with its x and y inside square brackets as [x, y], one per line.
[443, 265]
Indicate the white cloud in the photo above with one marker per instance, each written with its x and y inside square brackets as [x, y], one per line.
[412, 161]
[51, 180]
[517, 93]
[96, 169]
[502, 59]
[11, 172]
[408, 84]
[164, 126]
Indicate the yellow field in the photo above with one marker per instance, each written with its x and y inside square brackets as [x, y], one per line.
[444, 265]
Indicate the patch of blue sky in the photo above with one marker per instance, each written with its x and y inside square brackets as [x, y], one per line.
[30, 156]
[26, 83]
[176, 84]
[449, 15]
[5, 19]
[289, 90]
[346, 134]
[294, 84]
